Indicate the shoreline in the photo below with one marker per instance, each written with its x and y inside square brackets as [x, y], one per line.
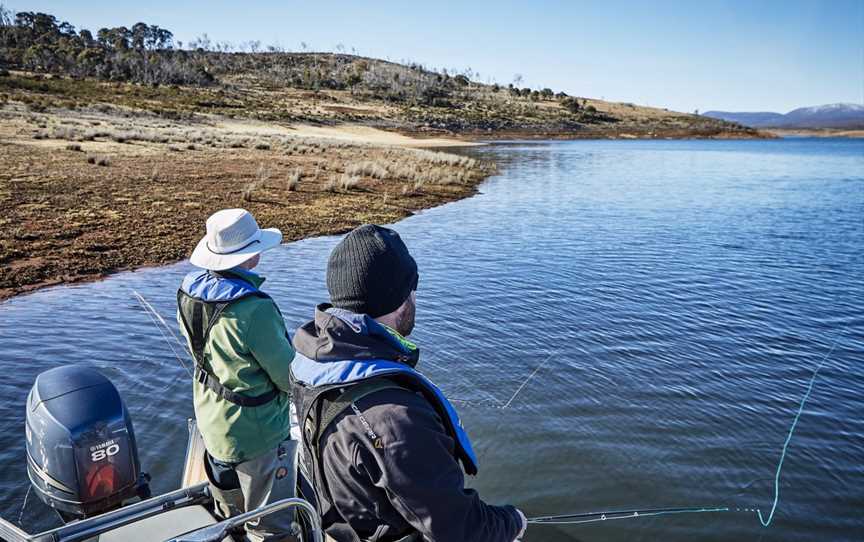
[470, 138]
[817, 132]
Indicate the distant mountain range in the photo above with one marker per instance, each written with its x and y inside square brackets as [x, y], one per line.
[847, 116]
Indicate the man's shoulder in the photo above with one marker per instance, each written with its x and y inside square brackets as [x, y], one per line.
[396, 411]
[399, 395]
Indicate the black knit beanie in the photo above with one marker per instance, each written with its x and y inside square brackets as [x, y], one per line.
[371, 272]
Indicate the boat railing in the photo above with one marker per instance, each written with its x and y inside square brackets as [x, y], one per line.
[218, 531]
[86, 529]
[78, 531]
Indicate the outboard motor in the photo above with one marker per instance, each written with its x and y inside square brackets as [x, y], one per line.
[81, 453]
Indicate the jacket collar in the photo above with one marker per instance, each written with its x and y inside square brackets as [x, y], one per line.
[337, 335]
[251, 277]
[211, 286]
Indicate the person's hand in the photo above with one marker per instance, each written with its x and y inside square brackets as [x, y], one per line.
[524, 525]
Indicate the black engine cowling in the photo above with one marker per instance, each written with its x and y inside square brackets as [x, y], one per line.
[81, 453]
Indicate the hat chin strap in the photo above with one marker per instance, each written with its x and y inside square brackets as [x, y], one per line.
[223, 251]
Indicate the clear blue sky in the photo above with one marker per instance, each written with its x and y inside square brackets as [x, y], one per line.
[747, 55]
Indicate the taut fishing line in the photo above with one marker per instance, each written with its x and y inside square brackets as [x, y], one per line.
[156, 318]
[609, 515]
[497, 404]
[525, 383]
[24, 505]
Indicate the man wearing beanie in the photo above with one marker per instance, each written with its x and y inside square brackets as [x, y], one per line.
[383, 450]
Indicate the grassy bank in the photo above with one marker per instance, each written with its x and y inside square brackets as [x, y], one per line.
[89, 191]
[104, 176]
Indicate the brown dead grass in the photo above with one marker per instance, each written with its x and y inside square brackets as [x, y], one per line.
[63, 219]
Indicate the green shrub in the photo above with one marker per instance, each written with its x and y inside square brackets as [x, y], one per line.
[570, 104]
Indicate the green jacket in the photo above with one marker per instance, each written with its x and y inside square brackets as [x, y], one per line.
[249, 351]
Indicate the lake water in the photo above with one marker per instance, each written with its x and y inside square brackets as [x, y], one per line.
[682, 292]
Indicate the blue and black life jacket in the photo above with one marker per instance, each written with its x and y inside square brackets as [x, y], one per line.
[324, 388]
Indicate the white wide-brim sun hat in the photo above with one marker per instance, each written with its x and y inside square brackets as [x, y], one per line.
[233, 236]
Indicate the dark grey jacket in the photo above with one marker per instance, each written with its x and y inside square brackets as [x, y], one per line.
[405, 479]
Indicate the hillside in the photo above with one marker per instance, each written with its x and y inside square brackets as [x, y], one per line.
[836, 116]
[53, 65]
[116, 147]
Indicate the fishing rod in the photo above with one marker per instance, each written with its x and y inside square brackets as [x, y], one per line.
[608, 515]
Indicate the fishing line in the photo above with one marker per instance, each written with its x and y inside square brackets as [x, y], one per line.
[24, 505]
[494, 403]
[593, 517]
[525, 383]
[154, 316]
[764, 522]
[490, 403]
[155, 313]
[501, 419]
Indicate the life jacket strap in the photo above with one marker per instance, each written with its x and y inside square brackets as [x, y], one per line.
[203, 316]
[332, 409]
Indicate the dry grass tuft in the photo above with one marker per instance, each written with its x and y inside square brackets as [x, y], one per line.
[348, 181]
[66, 133]
[103, 161]
[249, 190]
[262, 175]
[292, 183]
[332, 185]
[413, 190]
[368, 169]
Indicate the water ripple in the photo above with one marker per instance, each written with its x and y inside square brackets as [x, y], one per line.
[684, 289]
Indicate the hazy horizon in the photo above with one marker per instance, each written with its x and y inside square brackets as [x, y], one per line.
[722, 55]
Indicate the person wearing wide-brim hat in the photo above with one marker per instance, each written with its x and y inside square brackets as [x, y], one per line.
[242, 359]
